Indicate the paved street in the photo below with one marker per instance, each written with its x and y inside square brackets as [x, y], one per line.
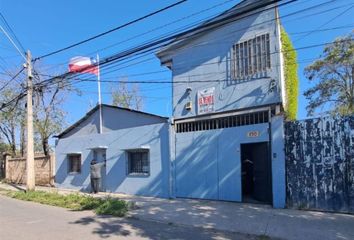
[32, 221]
[190, 216]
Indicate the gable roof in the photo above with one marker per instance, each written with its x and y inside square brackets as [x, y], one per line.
[93, 110]
[234, 13]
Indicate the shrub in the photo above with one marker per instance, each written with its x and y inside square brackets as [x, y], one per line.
[113, 207]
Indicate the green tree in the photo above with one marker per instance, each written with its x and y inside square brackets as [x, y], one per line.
[332, 75]
[291, 76]
[49, 118]
[127, 96]
[3, 147]
[10, 118]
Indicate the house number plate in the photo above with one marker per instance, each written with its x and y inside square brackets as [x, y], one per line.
[253, 134]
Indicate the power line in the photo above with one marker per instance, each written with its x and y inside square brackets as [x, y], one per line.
[13, 43]
[321, 30]
[198, 81]
[255, 25]
[225, 80]
[163, 26]
[61, 77]
[168, 24]
[175, 66]
[205, 27]
[301, 11]
[12, 32]
[324, 24]
[309, 8]
[13, 78]
[289, 15]
[111, 30]
[160, 42]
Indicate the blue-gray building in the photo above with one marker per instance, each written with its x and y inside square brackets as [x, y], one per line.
[228, 97]
[226, 141]
[134, 144]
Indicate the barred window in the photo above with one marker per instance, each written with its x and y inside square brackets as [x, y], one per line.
[74, 163]
[251, 57]
[138, 162]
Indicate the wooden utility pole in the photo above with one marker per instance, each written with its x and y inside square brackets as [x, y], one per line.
[30, 148]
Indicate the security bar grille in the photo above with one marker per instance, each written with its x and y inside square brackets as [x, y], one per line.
[251, 57]
[223, 122]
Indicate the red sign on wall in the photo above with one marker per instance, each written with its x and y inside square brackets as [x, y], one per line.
[206, 100]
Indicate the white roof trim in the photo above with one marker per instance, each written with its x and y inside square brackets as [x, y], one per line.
[97, 147]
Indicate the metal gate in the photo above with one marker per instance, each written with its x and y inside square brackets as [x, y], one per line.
[320, 164]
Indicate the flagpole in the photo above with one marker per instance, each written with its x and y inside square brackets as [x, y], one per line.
[99, 93]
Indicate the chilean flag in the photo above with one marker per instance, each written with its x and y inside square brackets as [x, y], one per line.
[83, 65]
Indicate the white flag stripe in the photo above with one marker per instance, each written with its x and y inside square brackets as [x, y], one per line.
[80, 61]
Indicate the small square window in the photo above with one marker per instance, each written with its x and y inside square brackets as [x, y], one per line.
[74, 165]
[138, 162]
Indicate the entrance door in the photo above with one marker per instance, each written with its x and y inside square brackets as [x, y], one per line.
[100, 156]
[256, 173]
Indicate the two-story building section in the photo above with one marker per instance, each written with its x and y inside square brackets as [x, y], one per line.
[228, 95]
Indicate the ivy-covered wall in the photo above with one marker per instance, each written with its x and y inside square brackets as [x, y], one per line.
[291, 76]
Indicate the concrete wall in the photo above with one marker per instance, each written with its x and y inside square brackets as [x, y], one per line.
[207, 58]
[44, 170]
[278, 161]
[2, 165]
[208, 163]
[320, 164]
[154, 136]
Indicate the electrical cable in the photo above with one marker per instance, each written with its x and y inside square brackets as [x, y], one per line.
[12, 32]
[165, 41]
[324, 24]
[111, 30]
[158, 46]
[13, 78]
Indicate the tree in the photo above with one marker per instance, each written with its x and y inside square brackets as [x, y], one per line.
[333, 78]
[291, 76]
[48, 114]
[3, 147]
[10, 119]
[127, 96]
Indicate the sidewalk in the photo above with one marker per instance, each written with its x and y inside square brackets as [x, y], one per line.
[238, 217]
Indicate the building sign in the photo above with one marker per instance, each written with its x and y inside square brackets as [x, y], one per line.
[252, 134]
[206, 100]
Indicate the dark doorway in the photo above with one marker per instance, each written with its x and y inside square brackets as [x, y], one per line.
[256, 173]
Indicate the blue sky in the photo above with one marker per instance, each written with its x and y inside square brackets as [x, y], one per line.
[43, 26]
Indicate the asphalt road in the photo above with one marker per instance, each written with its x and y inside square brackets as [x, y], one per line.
[32, 221]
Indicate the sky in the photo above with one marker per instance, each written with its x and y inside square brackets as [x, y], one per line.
[44, 26]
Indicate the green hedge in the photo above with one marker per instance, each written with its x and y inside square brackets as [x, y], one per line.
[291, 76]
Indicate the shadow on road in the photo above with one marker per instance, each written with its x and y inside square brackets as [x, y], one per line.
[110, 227]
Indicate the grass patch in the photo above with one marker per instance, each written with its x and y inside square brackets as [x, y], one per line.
[112, 207]
[77, 202]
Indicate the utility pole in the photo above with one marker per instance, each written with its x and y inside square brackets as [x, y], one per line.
[30, 148]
